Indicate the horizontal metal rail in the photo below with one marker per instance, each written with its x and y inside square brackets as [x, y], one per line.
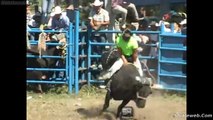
[171, 75]
[47, 69]
[51, 44]
[45, 81]
[169, 48]
[172, 35]
[96, 81]
[147, 57]
[118, 31]
[99, 43]
[173, 62]
[34, 30]
[43, 56]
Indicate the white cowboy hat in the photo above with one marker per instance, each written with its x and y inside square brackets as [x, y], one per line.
[57, 10]
[183, 22]
[97, 3]
[166, 23]
[27, 2]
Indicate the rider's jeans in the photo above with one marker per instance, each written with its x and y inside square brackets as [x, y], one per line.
[118, 64]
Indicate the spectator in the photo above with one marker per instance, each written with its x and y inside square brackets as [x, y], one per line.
[167, 27]
[59, 21]
[120, 7]
[153, 26]
[154, 39]
[99, 17]
[47, 5]
[163, 23]
[99, 20]
[143, 24]
[30, 20]
[142, 13]
[184, 26]
[183, 23]
[177, 27]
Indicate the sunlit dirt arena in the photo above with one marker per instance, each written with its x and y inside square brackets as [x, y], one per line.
[88, 103]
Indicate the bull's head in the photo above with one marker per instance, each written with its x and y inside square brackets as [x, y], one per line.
[143, 92]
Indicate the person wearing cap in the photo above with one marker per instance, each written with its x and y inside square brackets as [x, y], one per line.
[99, 17]
[59, 21]
[163, 23]
[99, 20]
[127, 47]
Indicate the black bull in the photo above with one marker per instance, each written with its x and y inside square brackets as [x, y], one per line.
[42, 63]
[126, 84]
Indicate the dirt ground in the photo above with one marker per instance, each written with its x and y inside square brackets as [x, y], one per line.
[87, 106]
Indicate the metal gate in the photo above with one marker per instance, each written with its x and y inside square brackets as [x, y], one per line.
[72, 57]
[171, 58]
[172, 61]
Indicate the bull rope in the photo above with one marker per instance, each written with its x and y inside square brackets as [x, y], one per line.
[42, 43]
[148, 71]
[110, 55]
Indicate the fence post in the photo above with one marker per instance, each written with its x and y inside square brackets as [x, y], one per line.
[76, 49]
[70, 58]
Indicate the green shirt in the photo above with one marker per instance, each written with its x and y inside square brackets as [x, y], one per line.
[127, 47]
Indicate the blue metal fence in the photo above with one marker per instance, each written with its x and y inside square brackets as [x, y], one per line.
[171, 61]
[67, 79]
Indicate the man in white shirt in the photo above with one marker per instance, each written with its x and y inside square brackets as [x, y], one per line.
[99, 20]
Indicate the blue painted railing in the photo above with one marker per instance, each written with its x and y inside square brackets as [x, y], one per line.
[171, 64]
[172, 61]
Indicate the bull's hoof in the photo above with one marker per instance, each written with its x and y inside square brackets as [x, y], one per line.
[102, 111]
